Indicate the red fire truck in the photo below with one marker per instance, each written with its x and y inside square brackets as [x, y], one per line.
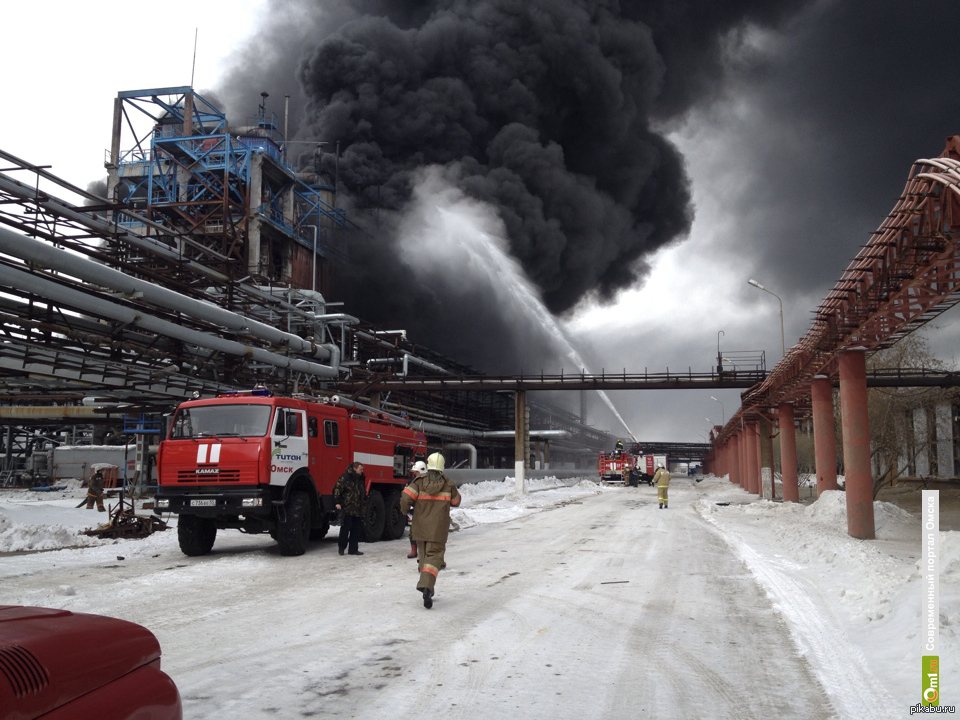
[256, 462]
[647, 466]
[615, 467]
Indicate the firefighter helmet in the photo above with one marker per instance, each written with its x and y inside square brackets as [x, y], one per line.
[435, 462]
[419, 467]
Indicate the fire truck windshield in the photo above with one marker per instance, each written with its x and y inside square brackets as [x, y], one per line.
[221, 421]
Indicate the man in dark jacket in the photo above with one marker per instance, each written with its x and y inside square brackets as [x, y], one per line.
[350, 494]
[434, 495]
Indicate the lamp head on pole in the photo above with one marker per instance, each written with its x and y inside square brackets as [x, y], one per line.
[753, 282]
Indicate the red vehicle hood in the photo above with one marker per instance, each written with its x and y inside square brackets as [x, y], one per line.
[50, 657]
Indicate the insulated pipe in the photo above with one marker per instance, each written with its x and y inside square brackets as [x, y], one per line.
[354, 405]
[129, 316]
[531, 433]
[79, 267]
[471, 449]
[407, 359]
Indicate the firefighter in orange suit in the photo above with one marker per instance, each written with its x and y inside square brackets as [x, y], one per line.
[95, 491]
[662, 478]
[434, 494]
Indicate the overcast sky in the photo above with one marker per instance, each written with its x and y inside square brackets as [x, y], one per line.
[629, 169]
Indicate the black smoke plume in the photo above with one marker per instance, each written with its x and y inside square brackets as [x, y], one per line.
[548, 112]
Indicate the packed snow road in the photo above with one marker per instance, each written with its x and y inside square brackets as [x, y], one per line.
[603, 607]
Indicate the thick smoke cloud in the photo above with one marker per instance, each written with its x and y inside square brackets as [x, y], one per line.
[837, 117]
[549, 111]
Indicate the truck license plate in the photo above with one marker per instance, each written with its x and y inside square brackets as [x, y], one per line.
[203, 503]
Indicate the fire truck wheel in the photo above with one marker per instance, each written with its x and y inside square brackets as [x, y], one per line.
[293, 529]
[373, 517]
[196, 534]
[396, 520]
[320, 531]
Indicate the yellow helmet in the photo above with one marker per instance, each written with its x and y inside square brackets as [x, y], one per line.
[435, 462]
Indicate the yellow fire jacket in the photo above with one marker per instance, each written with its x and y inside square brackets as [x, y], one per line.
[662, 477]
[434, 495]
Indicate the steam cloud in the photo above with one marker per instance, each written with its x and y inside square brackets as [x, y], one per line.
[543, 110]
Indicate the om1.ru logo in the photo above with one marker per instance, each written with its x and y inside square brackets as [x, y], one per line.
[931, 680]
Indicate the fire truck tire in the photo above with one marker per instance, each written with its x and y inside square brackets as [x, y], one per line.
[374, 517]
[195, 534]
[293, 529]
[396, 520]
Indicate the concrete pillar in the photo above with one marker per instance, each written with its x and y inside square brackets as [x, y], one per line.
[735, 458]
[824, 434]
[788, 453]
[520, 441]
[856, 444]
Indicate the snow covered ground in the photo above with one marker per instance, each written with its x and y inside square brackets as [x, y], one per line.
[573, 600]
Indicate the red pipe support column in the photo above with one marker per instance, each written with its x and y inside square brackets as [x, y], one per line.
[752, 457]
[824, 434]
[856, 444]
[788, 453]
[735, 458]
[743, 478]
[765, 444]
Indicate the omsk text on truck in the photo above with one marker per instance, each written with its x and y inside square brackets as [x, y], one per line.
[256, 462]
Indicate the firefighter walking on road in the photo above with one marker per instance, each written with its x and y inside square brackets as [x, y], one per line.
[433, 495]
[95, 491]
[419, 469]
[662, 478]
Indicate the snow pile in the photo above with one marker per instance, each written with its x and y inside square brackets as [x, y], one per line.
[18, 536]
[31, 520]
[496, 501]
[870, 590]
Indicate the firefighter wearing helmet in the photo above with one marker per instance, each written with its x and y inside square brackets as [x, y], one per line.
[662, 478]
[419, 468]
[433, 494]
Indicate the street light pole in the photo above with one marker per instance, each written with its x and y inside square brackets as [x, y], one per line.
[723, 412]
[783, 344]
[719, 356]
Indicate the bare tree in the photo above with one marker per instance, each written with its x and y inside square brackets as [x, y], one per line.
[891, 411]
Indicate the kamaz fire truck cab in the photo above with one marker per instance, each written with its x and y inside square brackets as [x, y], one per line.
[256, 462]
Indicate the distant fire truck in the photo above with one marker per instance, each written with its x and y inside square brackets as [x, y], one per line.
[255, 462]
[618, 467]
[615, 467]
[647, 465]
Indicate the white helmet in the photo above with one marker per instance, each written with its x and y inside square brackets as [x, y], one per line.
[435, 462]
[419, 467]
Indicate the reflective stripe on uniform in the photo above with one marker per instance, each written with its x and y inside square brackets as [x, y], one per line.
[430, 569]
[412, 493]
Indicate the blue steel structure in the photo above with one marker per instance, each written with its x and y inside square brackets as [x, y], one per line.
[228, 194]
